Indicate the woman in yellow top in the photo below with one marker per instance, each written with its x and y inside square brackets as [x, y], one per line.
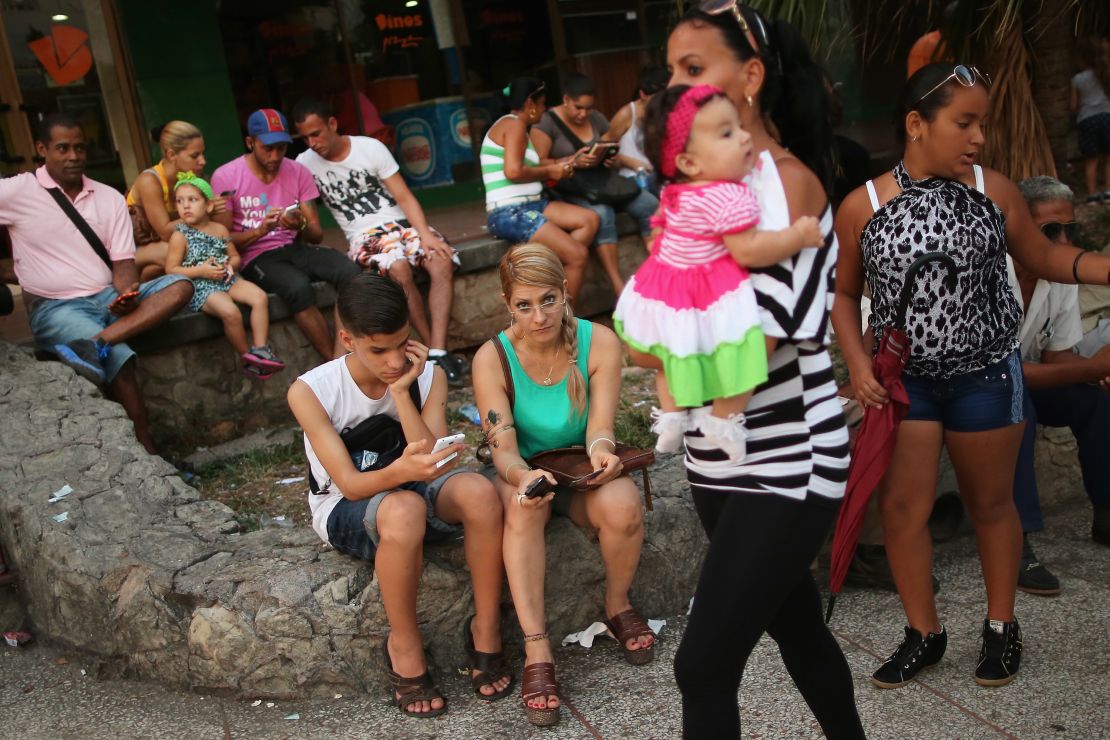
[150, 200]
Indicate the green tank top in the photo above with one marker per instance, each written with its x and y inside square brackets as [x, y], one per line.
[542, 414]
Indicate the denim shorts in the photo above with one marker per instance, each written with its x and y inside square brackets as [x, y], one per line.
[517, 223]
[991, 398]
[1094, 135]
[60, 320]
[353, 525]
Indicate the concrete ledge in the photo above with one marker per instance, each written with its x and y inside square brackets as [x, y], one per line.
[190, 375]
[475, 256]
[161, 584]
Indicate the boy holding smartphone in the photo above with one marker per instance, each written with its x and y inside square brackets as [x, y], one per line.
[385, 515]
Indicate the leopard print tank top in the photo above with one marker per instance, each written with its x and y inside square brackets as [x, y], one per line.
[950, 333]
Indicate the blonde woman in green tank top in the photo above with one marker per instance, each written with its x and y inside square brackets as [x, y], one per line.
[566, 379]
[514, 174]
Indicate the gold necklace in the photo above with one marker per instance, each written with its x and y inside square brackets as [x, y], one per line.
[547, 378]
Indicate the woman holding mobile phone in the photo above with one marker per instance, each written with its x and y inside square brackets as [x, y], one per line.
[150, 200]
[566, 379]
[562, 132]
[516, 208]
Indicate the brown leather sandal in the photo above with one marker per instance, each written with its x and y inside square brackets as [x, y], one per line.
[405, 691]
[629, 625]
[539, 682]
[490, 667]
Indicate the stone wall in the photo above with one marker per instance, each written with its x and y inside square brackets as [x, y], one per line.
[198, 383]
[160, 584]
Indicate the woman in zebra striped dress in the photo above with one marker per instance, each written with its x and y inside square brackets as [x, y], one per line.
[768, 515]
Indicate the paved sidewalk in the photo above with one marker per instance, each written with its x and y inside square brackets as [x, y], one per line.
[1063, 690]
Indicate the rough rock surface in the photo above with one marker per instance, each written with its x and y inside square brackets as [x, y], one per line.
[161, 584]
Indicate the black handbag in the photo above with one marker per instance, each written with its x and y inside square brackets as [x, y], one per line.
[599, 184]
[375, 442]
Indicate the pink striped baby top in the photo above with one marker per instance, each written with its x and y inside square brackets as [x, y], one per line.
[691, 304]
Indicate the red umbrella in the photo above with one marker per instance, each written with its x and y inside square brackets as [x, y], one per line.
[874, 444]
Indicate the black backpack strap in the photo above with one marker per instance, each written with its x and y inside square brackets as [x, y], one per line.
[414, 394]
[82, 225]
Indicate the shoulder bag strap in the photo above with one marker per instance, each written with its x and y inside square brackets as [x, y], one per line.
[82, 225]
[510, 389]
[571, 136]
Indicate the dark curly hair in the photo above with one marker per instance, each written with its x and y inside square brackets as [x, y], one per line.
[655, 122]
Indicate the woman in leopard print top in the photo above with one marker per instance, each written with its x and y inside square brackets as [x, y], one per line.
[963, 376]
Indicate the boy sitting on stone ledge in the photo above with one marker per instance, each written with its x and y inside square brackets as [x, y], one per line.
[386, 513]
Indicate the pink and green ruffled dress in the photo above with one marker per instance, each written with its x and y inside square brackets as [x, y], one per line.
[690, 304]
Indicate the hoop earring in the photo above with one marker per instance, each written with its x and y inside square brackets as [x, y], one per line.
[914, 139]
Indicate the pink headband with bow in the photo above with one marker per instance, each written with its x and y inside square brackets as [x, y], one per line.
[679, 123]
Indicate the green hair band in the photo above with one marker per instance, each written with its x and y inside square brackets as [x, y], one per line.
[188, 178]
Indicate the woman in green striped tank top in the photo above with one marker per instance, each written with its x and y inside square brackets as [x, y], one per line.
[566, 376]
[513, 174]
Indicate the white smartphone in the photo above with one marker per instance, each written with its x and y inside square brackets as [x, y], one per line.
[289, 210]
[443, 443]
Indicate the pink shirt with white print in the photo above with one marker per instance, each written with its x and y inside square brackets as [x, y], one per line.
[254, 198]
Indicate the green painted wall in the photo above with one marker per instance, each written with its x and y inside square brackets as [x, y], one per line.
[181, 71]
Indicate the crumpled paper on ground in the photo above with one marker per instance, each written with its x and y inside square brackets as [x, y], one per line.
[585, 638]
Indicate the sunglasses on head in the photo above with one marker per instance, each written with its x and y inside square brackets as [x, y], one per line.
[964, 74]
[717, 7]
[1053, 229]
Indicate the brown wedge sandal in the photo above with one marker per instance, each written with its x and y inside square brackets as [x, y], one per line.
[629, 625]
[490, 667]
[405, 691]
[539, 682]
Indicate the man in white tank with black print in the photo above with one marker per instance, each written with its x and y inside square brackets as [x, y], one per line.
[386, 514]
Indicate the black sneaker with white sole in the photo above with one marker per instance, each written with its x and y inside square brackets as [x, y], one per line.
[454, 367]
[1000, 656]
[1033, 576]
[915, 652]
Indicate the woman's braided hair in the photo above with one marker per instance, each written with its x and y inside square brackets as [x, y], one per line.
[538, 266]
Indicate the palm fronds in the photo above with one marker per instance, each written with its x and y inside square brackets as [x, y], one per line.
[1017, 142]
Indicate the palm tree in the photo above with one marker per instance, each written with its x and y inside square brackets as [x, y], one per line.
[1025, 46]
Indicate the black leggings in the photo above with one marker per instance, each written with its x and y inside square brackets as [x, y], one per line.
[756, 579]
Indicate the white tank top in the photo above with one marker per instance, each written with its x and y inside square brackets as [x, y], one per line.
[632, 145]
[346, 406]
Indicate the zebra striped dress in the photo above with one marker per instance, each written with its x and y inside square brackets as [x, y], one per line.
[798, 443]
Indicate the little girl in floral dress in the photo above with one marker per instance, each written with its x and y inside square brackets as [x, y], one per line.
[690, 308]
[201, 250]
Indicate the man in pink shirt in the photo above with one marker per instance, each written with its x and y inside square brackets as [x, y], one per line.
[274, 225]
[82, 292]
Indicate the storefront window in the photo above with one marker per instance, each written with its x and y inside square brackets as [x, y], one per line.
[51, 60]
